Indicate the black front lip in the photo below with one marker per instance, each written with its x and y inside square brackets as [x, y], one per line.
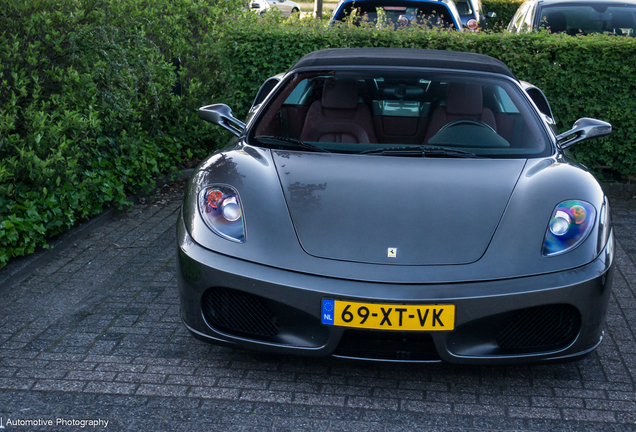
[587, 288]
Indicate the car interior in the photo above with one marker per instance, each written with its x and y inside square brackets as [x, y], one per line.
[397, 111]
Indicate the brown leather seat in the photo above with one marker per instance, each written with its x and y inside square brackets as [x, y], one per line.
[338, 117]
[463, 102]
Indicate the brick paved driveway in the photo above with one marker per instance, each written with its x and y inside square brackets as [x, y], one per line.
[95, 335]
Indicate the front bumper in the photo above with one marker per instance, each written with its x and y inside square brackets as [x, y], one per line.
[535, 309]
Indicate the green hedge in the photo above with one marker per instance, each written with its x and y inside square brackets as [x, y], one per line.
[505, 10]
[589, 76]
[87, 110]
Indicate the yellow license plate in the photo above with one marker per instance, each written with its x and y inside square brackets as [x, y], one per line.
[388, 316]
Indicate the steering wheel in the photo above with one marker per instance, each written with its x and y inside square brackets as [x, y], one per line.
[466, 122]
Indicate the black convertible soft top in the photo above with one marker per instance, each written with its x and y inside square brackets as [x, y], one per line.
[403, 57]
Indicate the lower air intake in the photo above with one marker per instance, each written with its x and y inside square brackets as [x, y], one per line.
[373, 345]
[237, 312]
[549, 327]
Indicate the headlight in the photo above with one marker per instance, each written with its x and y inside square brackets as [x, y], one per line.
[221, 210]
[472, 25]
[570, 224]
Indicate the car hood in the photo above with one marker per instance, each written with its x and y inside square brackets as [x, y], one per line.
[395, 210]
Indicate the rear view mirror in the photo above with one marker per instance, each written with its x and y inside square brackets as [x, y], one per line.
[584, 128]
[221, 115]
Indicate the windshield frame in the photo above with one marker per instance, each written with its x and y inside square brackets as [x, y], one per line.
[544, 128]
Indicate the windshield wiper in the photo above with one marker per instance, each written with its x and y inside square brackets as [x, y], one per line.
[420, 151]
[295, 142]
[443, 151]
[397, 151]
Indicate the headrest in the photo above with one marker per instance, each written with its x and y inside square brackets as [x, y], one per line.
[340, 94]
[464, 99]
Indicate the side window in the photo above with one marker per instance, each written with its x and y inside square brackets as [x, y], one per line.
[463, 7]
[297, 96]
[540, 101]
[265, 89]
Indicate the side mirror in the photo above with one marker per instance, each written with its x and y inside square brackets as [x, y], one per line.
[221, 115]
[584, 129]
[491, 14]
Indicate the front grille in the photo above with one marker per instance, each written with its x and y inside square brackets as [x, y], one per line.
[238, 312]
[379, 345]
[549, 326]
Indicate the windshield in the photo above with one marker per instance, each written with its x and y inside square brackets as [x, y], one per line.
[368, 112]
[396, 14]
[585, 18]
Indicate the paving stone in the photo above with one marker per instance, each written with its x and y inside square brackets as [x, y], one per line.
[266, 396]
[334, 413]
[141, 378]
[479, 410]
[214, 392]
[16, 383]
[373, 403]
[346, 390]
[242, 383]
[427, 407]
[498, 423]
[110, 388]
[318, 400]
[90, 376]
[62, 385]
[542, 413]
[398, 393]
[161, 390]
[589, 415]
[215, 406]
[554, 402]
[279, 410]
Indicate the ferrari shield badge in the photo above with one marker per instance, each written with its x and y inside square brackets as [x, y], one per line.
[392, 253]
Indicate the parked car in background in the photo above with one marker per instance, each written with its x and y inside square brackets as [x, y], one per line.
[259, 6]
[471, 13]
[397, 205]
[575, 17]
[286, 7]
[441, 14]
